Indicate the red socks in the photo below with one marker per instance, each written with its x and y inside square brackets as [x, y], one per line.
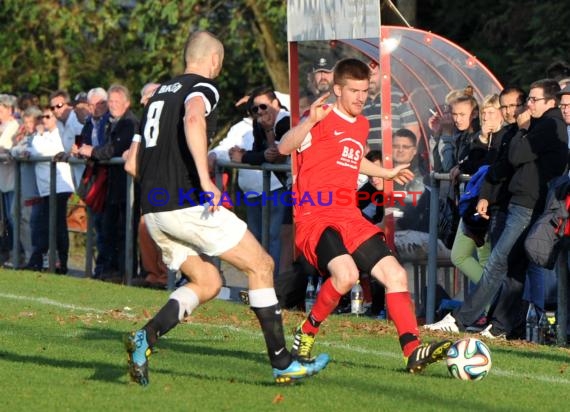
[327, 300]
[398, 304]
[400, 309]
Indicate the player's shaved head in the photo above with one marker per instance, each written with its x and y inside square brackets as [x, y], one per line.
[201, 45]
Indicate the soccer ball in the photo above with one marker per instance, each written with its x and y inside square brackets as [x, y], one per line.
[469, 359]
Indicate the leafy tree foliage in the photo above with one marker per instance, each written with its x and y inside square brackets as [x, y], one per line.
[517, 40]
[47, 44]
[80, 44]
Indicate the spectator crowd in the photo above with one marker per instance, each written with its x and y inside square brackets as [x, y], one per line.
[519, 136]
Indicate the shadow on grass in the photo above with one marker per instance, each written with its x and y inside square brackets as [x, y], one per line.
[212, 366]
[117, 373]
[203, 347]
[382, 367]
[191, 345]
[106, 372]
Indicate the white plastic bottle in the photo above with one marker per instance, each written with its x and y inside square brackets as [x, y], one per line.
[319, 284]
[531, 323]
[543, 329]
[356, 299]
[310, 296]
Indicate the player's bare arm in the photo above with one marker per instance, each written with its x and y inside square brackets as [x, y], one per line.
[400, 174]
[295, 136]
[197, 140]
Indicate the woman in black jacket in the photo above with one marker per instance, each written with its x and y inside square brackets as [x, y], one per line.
[483, 150]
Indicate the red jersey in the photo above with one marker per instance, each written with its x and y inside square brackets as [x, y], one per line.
[328, 163]
[327, 169]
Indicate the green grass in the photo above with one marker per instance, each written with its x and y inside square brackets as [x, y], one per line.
[61, 350]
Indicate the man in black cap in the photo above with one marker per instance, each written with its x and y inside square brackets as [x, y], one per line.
[321, 78]
[81, 107]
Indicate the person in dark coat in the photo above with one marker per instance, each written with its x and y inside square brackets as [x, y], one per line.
[119, 131]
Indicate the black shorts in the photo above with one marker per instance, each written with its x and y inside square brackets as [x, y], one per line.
[370, 252]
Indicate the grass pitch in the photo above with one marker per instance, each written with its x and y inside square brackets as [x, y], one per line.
[61, 350]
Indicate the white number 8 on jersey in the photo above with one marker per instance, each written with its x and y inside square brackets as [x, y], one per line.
[152, 125]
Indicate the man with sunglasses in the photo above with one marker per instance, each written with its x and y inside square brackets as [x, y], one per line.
[69, 122]
[270, 122]
[537, 153]
[59, 104]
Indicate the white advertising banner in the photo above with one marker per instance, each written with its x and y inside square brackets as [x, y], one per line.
[332, 19]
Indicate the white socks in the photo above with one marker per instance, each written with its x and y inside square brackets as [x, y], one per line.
[187, 301]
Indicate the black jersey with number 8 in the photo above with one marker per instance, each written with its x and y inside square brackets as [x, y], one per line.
[168, 175]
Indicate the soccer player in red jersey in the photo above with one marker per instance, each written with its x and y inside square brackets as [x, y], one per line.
[330, 230]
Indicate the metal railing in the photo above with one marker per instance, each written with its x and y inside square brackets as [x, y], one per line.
[221, 165]
[266, 168]
[52, 242]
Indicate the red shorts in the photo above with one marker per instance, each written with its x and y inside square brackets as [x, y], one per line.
[353, 228]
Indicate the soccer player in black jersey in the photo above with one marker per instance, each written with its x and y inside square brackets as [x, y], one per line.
[181, 207]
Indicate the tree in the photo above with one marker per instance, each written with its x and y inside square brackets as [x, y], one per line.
[517, 40]
[268, 23]
[80, 44]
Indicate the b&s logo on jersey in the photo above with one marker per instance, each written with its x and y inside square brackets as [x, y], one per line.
[351, 153]
[170, 88]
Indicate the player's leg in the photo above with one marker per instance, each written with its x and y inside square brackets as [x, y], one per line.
[249, 257]
[333, 257]
[173, 233]
[205, 283]
[375, 257]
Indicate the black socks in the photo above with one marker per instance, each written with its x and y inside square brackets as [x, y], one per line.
[163, 321]
[272, 326]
